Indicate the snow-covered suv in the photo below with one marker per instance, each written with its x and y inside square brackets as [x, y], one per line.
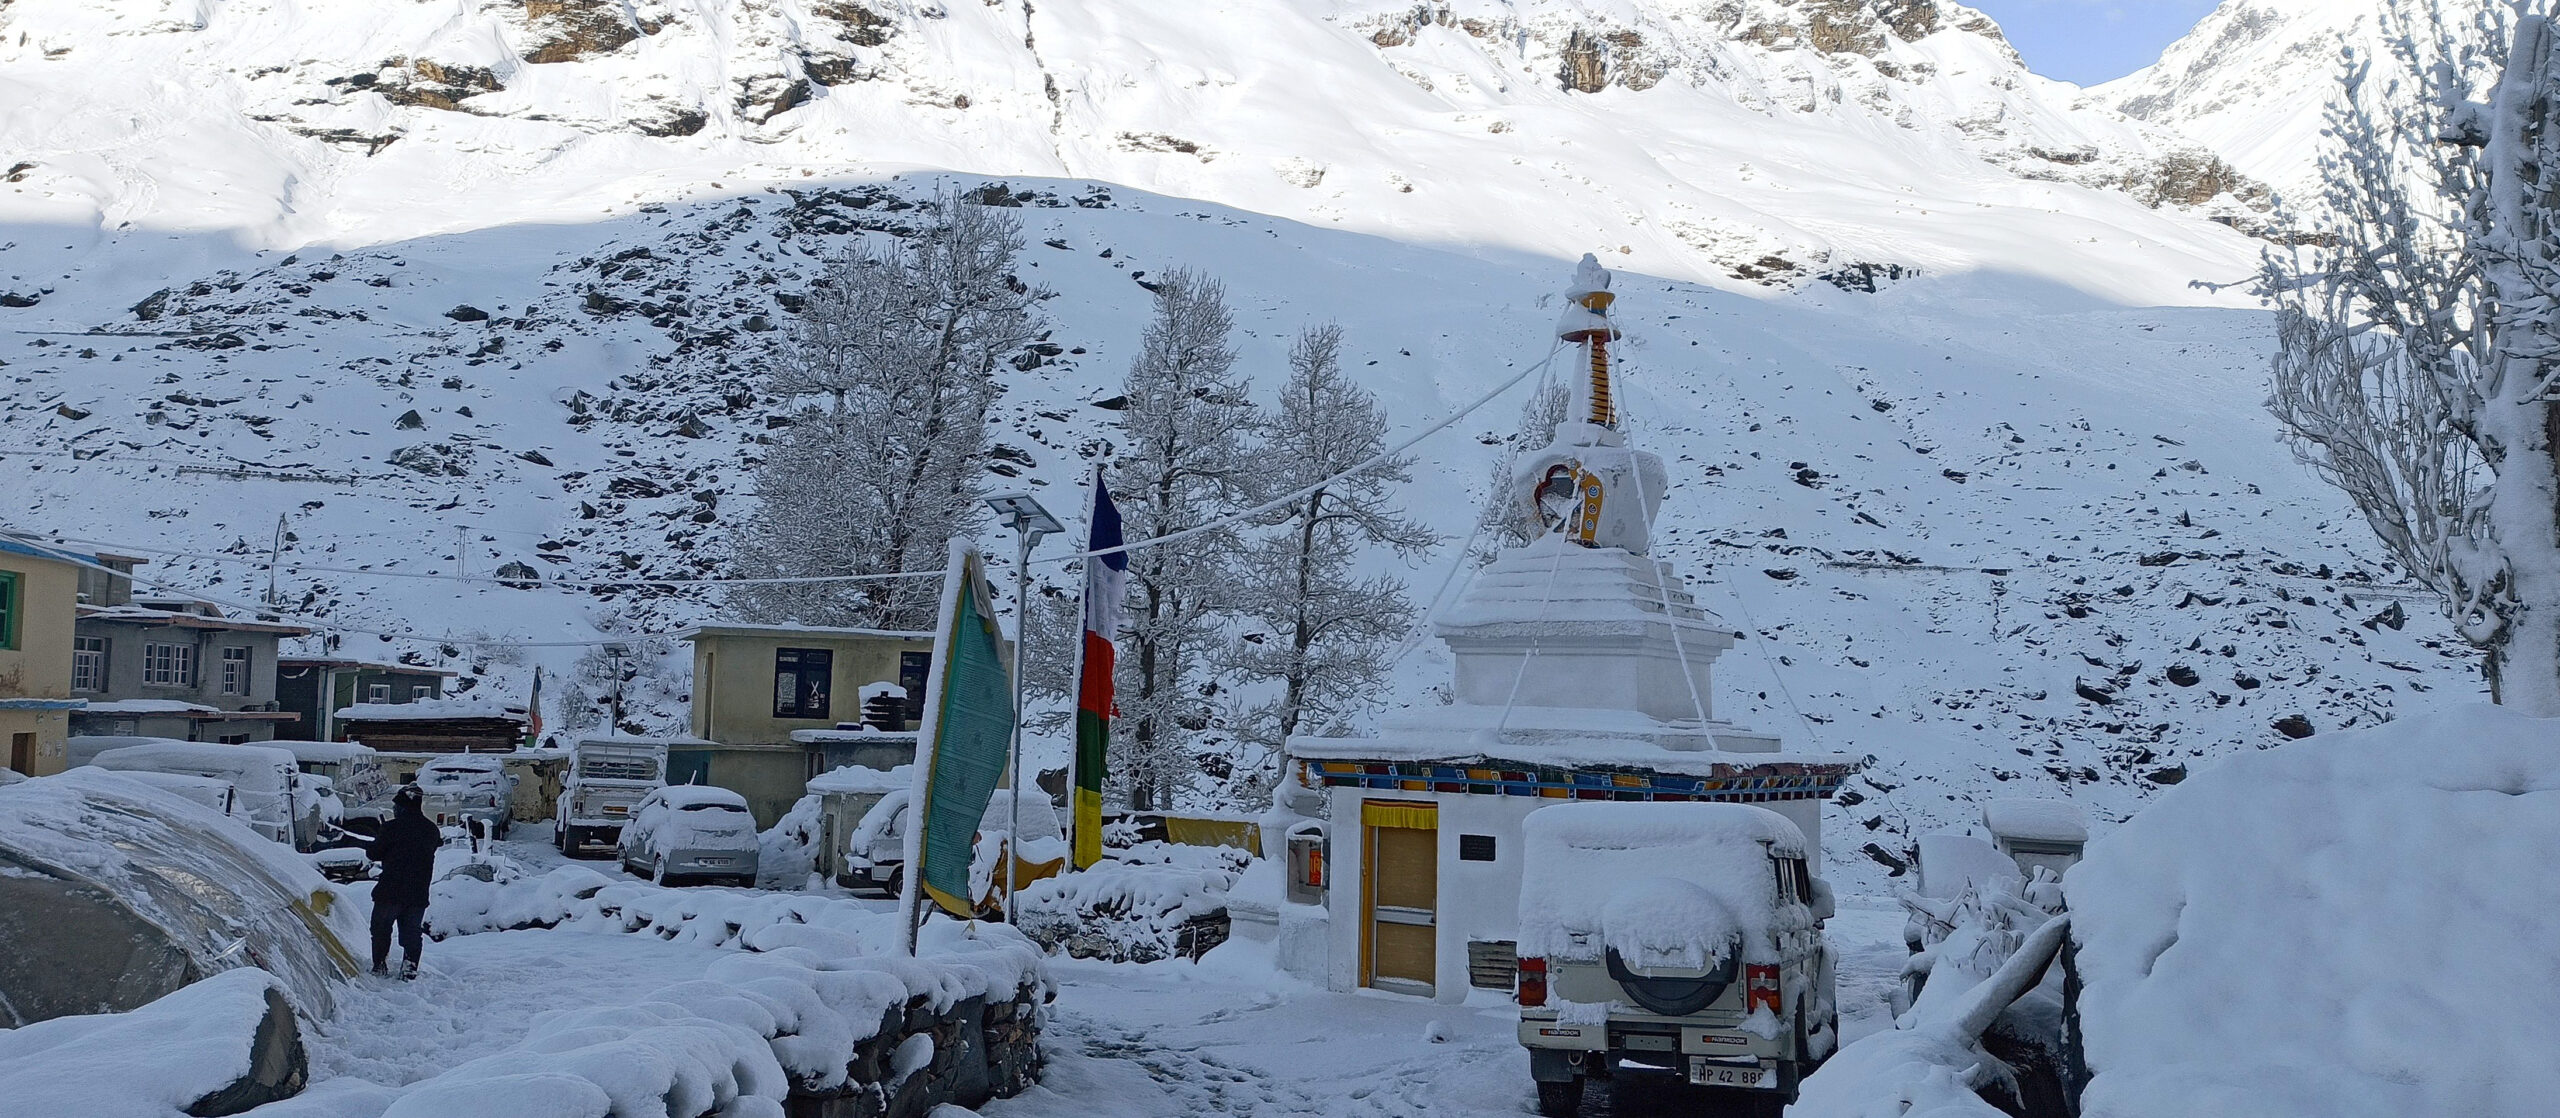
[1679, 939]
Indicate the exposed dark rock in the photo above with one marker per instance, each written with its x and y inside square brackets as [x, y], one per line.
[467, 313]
[2294, 726]
[2183, 675]
[13, 299]
[410, 420]
[152, 306]
[2092, 692]
[568, 30]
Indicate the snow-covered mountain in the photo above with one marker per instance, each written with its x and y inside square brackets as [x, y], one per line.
[1760, 140]
[2255, 78]
[455, 285]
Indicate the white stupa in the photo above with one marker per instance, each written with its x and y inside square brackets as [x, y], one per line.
[1583, 672]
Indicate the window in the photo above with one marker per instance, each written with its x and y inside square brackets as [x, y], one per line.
[912, 669]
[377, 693]
[235, 671]
[233, 739]
[800, 677]
[168, 665]
[421, 693]
[9, 609]
[1475, 848]
[88, 663]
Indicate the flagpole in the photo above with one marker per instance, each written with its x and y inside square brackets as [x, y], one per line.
[1075, 672]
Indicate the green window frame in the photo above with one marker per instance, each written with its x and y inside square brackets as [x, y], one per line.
[10, 608]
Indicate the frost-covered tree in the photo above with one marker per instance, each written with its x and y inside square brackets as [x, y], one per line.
[1499, 524]
[1187, 463]
[2417, 345]
[897, 350]
[1316, 630]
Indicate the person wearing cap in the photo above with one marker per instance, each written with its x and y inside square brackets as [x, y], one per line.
[407, 851]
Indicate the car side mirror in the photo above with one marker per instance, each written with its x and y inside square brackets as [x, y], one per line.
[1823, 907]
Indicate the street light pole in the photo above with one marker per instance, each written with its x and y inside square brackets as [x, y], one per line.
[1029, 521]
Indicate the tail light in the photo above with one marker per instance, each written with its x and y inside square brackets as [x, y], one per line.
[1760, 988]
[1533, 982]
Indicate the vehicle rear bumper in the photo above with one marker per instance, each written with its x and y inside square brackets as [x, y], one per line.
[1663, 1047]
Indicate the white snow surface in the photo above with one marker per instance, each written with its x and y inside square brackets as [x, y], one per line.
[2040, 820]
[151, 1062]
[2349, 927]
[1666, 884]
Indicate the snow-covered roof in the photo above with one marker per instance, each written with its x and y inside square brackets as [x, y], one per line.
[424, 710]
[187, 619]
[735, 630]
[683, 795]
[1561, 736]
[654, 743]
[862, 779]
[2036, 820]
[2354, 924]
[148, 706]
[10, 545]
[361, 665]
[1663, 883]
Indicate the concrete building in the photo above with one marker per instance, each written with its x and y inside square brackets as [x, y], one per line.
[175, 668]
[39, 595]
[773, 696]
[318, 687]
[1583, 671]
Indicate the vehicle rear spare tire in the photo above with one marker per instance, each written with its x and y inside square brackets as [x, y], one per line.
[1674, 997]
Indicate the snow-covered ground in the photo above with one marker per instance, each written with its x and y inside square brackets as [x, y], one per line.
[1157, 1040]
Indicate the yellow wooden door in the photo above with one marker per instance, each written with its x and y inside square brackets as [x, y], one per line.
[1403, 895]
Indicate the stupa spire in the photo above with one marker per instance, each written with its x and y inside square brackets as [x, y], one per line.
[1586, 324]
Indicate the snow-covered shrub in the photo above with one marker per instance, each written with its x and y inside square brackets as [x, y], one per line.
[1147, 903]
[787, 852]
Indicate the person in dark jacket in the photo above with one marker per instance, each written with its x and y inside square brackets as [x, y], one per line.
[407, 850]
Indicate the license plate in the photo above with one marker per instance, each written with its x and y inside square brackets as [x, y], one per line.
[1706, 1074]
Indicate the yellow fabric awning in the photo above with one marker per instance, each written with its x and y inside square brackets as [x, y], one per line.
[1399, 813]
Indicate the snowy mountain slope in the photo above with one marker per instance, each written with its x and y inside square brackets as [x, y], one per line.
[2254, 79]
[1998, 533]
[1753, 142]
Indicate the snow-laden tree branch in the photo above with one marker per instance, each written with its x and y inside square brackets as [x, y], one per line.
[1186, 462]
[1318, 631]
[2416, 330]
[896, 353]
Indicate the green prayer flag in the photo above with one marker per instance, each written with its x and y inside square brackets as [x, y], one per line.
[962, 745]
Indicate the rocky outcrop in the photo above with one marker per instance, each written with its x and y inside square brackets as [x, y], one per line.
[2190, 178]
[568, 30]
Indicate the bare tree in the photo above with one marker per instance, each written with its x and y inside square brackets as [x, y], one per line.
[2416, 346]
[899, 348]
[1318, 631]
[1186, 464]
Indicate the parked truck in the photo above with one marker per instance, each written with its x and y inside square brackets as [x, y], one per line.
[607, 777]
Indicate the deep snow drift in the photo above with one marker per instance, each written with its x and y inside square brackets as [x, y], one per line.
[2354, 927]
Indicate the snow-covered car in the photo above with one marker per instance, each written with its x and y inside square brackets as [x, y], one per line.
[354, 777]
[212, 792]
[875, 854]
[1682, 940]
[466, 787]
[270, 793]
[607, 778]
[343, 864]
[691, 831]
